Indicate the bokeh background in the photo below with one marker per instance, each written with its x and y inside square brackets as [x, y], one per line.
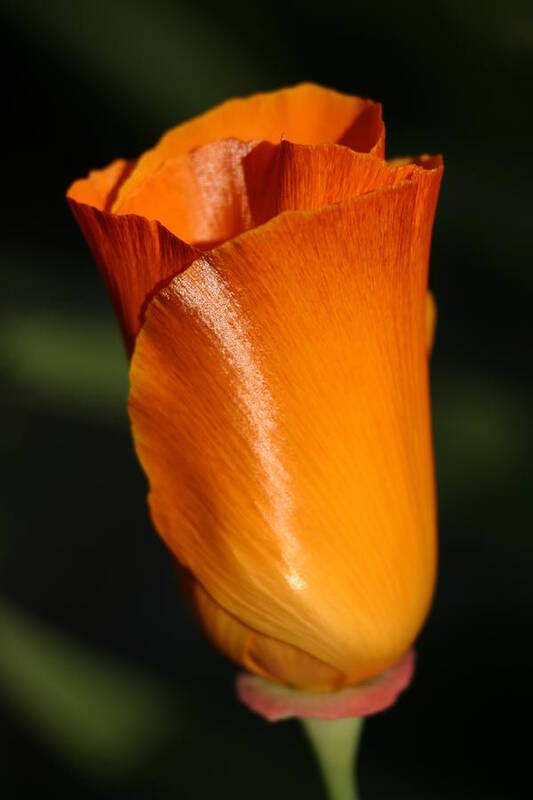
[107, 690]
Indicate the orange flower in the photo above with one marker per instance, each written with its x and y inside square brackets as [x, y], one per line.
[269, 271]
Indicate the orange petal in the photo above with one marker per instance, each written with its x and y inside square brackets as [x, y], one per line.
[222, 189]
[429, 178]
[307, 114]
[99, 188]
[270, 658]
[291, 177]
[200, 196]
[280, 408]
[431, 321]
[135, 256]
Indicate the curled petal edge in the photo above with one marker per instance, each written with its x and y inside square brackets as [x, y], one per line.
[305, 113]
[275, 702]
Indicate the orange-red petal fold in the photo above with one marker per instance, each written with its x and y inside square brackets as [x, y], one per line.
[135, 255]
[199, 184]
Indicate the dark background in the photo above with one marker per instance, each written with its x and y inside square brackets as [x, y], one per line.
[107, 690]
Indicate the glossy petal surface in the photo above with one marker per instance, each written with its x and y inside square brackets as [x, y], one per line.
[279, 402]
[222, 189]
[201, 196]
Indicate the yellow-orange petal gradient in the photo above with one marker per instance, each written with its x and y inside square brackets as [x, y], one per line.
[263, 655]
[280, 408]
[307, 114]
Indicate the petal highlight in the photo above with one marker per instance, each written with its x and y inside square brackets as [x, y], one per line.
[280, 408]
[200, 196]
[218, 191]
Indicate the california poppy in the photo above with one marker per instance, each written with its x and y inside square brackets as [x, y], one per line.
[269, 271]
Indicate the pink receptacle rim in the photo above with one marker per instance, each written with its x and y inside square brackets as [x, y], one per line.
[276, 702]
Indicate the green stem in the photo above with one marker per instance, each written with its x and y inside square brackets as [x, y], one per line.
[335, 744]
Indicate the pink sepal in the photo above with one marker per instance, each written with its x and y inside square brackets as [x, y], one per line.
[275, 702]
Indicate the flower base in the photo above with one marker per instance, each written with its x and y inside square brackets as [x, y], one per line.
[276, 702]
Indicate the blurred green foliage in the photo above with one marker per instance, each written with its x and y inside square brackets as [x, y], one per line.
[109, 690]
[94, 711]
[65, 358]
